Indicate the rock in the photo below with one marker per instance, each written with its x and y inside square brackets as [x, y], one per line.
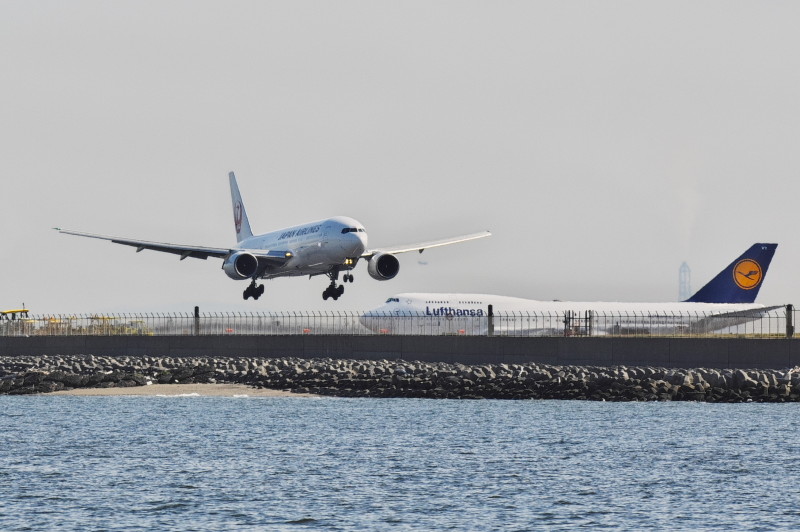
[33, 378]
[399, 378]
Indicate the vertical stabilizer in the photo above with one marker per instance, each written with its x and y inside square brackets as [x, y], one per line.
[741, 280]
[241, 223]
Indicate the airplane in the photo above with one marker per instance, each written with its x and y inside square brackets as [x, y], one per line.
[725, 301]
[323, 247]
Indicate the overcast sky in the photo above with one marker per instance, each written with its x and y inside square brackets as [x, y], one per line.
[603, 143]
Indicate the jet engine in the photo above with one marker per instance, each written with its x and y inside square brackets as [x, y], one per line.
[241, 265]
[383, 266]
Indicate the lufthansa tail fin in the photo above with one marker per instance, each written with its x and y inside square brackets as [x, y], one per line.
[241, 223]
[741, 280]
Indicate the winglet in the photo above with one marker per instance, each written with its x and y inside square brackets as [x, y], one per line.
[241, 223]
[741, 280]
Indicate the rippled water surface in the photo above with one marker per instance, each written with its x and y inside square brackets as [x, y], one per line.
[203, 463]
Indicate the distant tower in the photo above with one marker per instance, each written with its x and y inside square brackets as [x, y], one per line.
[684, 282]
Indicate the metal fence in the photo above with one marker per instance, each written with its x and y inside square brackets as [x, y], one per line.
[754, 323]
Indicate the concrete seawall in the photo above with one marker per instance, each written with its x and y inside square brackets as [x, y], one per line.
[662, 352]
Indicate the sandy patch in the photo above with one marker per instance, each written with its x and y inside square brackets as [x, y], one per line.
[201, 390]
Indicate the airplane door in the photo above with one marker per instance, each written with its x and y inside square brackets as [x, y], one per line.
[324, 238]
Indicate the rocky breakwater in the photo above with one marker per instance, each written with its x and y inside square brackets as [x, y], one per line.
[400, 378]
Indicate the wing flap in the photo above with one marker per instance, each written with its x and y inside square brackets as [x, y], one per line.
[422, 246]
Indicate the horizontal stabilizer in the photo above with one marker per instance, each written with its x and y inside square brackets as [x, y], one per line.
[716, 322]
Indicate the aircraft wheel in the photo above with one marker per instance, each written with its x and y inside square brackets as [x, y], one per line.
[260, 290]
[339, 291]
[325, 295]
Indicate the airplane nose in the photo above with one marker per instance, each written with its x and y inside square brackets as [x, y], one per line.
[370, 320]
[356, 244]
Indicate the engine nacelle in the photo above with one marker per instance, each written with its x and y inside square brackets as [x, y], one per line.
[383, 266]
[241, 265]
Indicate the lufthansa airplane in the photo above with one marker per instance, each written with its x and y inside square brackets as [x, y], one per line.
[324, 247]
[726, 301]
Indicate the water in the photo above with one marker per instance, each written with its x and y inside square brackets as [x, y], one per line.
[211, 463]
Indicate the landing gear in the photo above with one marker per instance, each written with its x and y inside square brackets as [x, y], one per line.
[255, 291]
[348, 277]
[334, 290]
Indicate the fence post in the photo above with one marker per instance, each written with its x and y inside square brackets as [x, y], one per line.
[197, 321]
[789, 321]
[490, 327]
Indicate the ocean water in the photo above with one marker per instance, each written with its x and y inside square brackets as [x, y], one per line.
[212, 463]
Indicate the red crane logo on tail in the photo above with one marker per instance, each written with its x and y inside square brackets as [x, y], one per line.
[237, 216]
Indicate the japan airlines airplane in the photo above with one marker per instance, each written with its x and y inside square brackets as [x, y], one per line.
[726, 301]
[324, 247]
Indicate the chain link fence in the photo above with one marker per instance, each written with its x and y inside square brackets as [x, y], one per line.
[759, 323]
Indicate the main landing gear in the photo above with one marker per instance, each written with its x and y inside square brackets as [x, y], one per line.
[334, 290]
[255, 291]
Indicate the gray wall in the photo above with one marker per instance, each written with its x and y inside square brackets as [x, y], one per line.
[666, 352]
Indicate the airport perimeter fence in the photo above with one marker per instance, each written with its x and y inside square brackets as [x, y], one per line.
[767, 323]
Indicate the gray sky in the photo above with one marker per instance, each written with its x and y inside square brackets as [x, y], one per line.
[603, 143]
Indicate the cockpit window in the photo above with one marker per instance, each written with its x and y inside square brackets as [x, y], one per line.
[393, 300]
[352, 230]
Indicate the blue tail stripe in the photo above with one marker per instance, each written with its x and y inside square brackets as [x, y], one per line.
[741, 280]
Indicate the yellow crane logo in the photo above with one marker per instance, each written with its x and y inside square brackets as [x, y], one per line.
[747, 274]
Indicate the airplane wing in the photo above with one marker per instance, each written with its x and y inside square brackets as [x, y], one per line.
[196, 252]
[422, 246]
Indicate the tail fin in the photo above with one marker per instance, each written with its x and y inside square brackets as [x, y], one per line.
[242, 224]
[741, 280]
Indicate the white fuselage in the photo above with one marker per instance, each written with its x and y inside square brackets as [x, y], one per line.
[316, 247]
[324, 247]
[434, 313]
